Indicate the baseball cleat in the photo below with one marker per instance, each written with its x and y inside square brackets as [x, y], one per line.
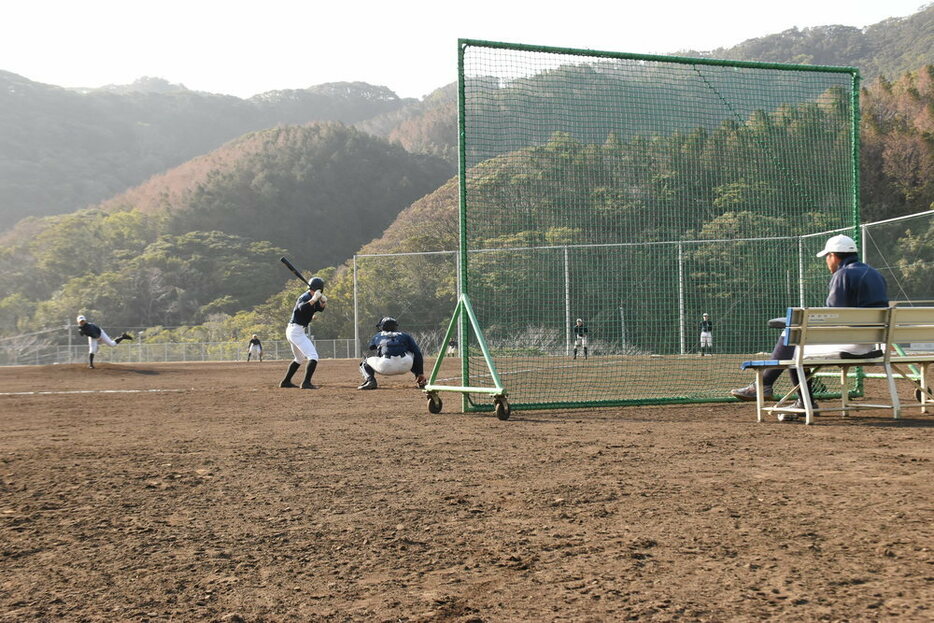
[748, 393]
[370, 383]
[287, 384]
[309, 386]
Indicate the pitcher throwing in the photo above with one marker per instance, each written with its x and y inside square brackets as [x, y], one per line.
[95, 336]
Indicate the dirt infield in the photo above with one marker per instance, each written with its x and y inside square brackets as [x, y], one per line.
[220, 497]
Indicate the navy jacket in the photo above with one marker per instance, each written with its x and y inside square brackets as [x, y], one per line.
[857, 285]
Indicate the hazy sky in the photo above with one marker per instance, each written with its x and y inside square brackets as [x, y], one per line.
[244, 48]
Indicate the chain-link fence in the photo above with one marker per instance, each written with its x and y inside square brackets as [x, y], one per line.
[903, 250]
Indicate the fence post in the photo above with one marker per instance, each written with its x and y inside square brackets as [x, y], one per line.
[567, 306]
[800, 271]
[356, 319]
[681, 295]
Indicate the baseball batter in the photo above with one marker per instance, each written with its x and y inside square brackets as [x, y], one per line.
[255, 348]
[580, 337]
[307, 305]
[95, 336]
[395, 353]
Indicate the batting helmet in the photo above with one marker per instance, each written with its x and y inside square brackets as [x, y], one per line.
[316, 283]
[388, 324]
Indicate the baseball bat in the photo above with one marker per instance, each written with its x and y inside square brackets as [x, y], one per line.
[294, 270]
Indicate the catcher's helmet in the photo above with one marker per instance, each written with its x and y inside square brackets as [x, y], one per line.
[316, 283]
[388, 324]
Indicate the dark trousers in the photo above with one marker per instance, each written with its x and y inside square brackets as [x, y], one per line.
[780, 352]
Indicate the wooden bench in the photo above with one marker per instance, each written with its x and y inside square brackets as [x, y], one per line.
[882, 329]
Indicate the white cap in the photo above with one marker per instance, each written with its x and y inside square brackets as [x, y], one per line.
[706, 314]
[579, 320]
[839, 244]
[80, 318]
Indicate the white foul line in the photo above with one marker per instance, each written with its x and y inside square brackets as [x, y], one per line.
[91, 391]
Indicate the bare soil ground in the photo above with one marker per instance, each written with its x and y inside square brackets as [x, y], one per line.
[220, 497]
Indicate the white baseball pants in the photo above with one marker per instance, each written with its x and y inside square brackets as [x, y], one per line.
[391, 366]
[302, 347]
[94, 342]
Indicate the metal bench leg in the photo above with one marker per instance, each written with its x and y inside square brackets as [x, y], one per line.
[760, 388]
[925, 389]
[805, 393]
[893, 391]
[844, 391]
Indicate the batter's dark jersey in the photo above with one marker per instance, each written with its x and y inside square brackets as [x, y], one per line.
[305, 311]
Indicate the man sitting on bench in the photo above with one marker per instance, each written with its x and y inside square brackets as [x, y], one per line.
[852, 284]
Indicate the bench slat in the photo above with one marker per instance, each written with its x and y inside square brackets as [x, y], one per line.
[822, 335]
[817, 316]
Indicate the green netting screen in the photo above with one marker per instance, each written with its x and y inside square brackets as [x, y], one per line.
[636, 193]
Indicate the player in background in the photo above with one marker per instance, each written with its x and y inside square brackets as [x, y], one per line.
[307, 305]
[706, 335]
[255, 347]
[580, 337]
[395, 353]
[95, 336]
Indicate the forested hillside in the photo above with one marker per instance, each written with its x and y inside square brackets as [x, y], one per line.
[172, 254]
[425, 127]
[897, 146]
[886, 49]
[61, 150]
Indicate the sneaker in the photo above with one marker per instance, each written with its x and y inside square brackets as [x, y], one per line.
[287, 384]
[749, 393]
[370, 383]
[309, 386]
[126, 336]
[798, 404]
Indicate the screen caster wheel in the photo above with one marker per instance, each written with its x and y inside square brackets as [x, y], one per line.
[501, 407]
[434, 403]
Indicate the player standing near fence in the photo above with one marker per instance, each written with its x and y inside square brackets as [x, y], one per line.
[706, 334]
[95, 336]
[580, 337]
[307, 305]
[255, 348]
